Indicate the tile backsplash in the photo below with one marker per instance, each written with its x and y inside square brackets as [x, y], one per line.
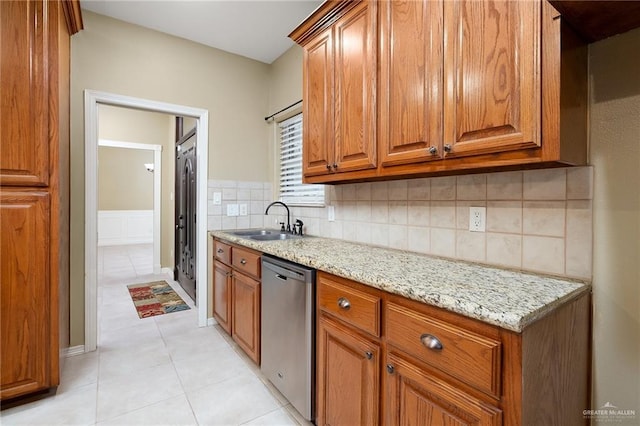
[538, 220]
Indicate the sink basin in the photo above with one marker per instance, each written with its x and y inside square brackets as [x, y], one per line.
[251, 232]
[272, 237]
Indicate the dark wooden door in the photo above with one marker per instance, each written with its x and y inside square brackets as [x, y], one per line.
[186, 208]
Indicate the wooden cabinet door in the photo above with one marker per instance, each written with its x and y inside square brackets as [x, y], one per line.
[317, 109]
[491, 76]
[25, 295]
[410, 87]
[246, 314]
[24, 108]
[348, 370]
[414, 397]
[355, 85]
[222, 295]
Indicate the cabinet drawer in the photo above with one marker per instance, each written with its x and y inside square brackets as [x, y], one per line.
[465, 355]
[222, 251]
[355, 307]
[246, 261]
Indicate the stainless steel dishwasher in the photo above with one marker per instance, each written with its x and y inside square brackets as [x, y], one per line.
[288, 340]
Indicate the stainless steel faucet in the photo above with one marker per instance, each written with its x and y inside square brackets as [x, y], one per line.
[266, 212]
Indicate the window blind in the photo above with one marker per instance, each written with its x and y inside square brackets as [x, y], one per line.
[292, 190]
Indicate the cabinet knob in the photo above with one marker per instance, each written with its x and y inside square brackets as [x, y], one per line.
[344, 303]
[243, 262]
[335, 166]
[433, 150]
[220, 250]
[390, 369]
[447, 148]
[328, 166]
[369, 355]
[431, 342]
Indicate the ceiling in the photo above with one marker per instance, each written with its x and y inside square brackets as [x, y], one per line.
[255, 29]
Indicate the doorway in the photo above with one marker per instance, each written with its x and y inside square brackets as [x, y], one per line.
[156, 169]
[92, 100]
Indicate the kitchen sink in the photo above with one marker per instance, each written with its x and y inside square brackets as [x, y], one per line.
[252, 232]
[272, 237]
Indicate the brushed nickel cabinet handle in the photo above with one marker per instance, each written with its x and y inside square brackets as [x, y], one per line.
[433, 150]
[368, 354]
[243, 262]
[220, 250]
[344, 303]
[431, 342]
[448, 148]
[390, 368]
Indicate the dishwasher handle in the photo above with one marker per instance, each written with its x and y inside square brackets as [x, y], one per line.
[283, 272]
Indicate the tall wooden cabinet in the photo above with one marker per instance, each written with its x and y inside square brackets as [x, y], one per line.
[460, 85]
[34, 192]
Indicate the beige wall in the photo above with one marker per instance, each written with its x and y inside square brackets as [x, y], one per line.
[123, 181]
[116, 57]
[615, 154]
[285, 88]
[131, 125]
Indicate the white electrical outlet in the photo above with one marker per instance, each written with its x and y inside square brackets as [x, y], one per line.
[217, 198]
[477, 219]
[331, 213]
[243, 209]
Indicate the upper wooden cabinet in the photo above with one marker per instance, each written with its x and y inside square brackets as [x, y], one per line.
[340, 76]
[491, 83]
[410, 86]
[461, 85]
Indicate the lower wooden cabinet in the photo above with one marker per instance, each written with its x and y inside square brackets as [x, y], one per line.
[414, 364]
[414, 397]
[246, 314]
[237, 295]
[222, 295]
[347, 377]
[29, 336]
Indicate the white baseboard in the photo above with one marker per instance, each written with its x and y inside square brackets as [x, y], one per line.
[167, 271]
[121, 227]
[73, 351]
[211, 321]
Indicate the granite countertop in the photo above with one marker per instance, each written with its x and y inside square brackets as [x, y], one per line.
[505, 298]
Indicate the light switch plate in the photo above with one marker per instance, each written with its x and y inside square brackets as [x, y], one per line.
[243, 209]
[217, 198]
[331, 213]
[232, 210]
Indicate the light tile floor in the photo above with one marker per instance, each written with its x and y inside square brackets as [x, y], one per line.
[162, 370]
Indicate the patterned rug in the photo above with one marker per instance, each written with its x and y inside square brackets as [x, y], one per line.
[156, 298]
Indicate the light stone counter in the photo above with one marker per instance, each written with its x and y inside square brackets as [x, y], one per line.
[508, 299]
